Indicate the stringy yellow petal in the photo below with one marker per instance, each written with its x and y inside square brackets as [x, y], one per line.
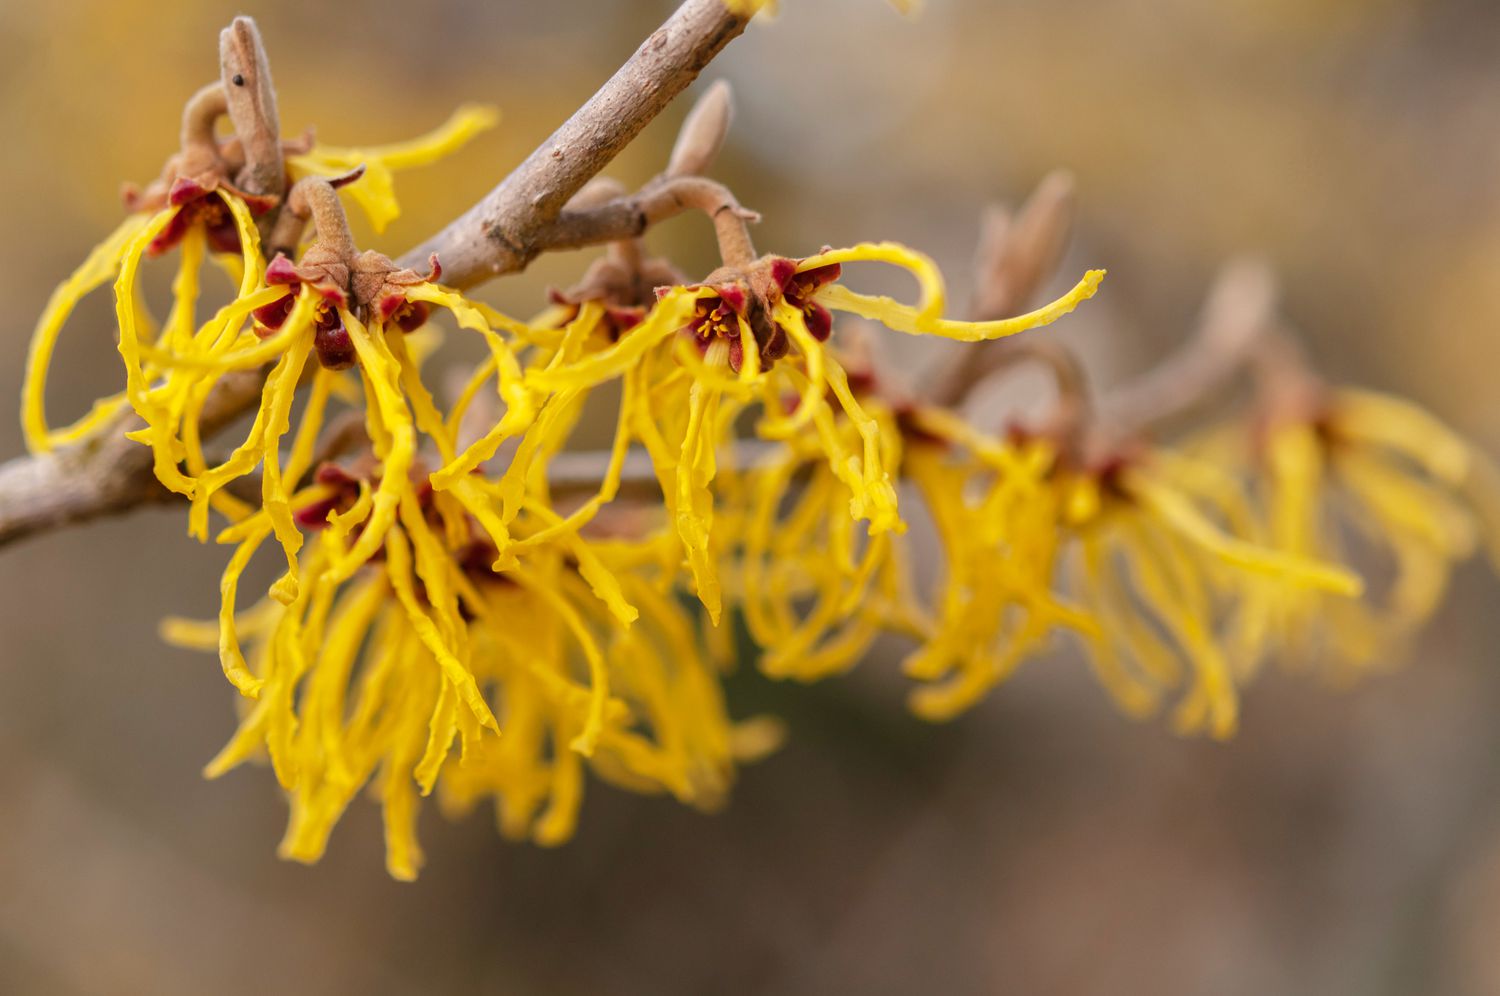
[101, 266]
[904, 318]
[375, 192]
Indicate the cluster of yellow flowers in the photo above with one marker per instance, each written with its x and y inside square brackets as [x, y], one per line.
[454, 618]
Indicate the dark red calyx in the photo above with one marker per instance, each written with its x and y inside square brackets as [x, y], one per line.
[185, 189]
[271, 317]
[619, 320]
[406, 315]
[734, 296]
[332, 342]
[197, 209]
[819, 321]
[912, 431]
[315, 516]
[803, 285]
[172, 234]
[258, 204]
[783, 272]
[862, 381]
[799, 291]
[282, 271]
[345, 491]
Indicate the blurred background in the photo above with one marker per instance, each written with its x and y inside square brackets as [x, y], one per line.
[1347, 842]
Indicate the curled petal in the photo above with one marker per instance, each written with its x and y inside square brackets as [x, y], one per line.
[914, 321]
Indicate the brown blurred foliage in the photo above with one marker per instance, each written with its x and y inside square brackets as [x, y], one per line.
[1348, 841]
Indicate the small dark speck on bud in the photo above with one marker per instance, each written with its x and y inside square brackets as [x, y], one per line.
[557, 153]
[238, 80]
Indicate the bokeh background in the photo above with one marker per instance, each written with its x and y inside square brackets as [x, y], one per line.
[1347, 842]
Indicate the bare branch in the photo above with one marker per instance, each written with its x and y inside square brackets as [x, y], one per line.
[629, 217]
[74, 485]
[102, 476]
[1239, 313]
[505, 231]
[1016, 256]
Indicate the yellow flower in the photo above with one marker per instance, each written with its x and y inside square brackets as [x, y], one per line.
[1166, 576]
[377, 677]
[996, 512]
[1380, 471]
[195, 207]
[666, 728]
[347, 310]
[753, 336]
[814, 586]
[1182, 537]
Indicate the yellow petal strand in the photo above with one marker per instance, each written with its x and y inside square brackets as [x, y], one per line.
[813, 359]
[230, 656]
[471, 389]
[283, 377]
[904, 318]
[879, 497]
[601, 579]
[694, 509]
[101, 265]
[398, 553]
[588, 737]
[609, 484]
[1179, 515]
[126, 314]
[1399, 425]
[1407, 504]
[929, 279]
[670, 315]
[375, 191]
[520, 408]
[1135, 697]
[246, 527]
[178, 332]
[447, 138]
[230, 317]
[382, 379]
[274, 490]
[252, 262]
[1212, 703]
[304, 446]
[424, 410]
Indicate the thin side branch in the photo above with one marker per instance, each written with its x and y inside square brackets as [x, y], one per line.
[506, 230]
[1237, 317]
[1016, 256]
[629, 217]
